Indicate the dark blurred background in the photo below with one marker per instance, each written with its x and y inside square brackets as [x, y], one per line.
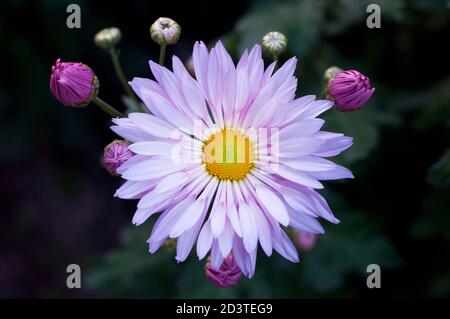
[56, 204]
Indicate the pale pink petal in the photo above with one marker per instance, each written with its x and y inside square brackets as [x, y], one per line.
[162, 226]
[298, 147]
[339, 172]
[171, 181]
[304, 222]
[244, 260]
[142, 214]
[194, 97]
[153, 199]
[301, 128]
[186, 240]
[131, 162]
[129, 131]
[283, 245]
[152, 148]
[255, 70]
[218, 217]
[272, 204]
[169, 84]
[152, 125]
[160, 106]
[284, 73]
[316, 108]
[200, 58]
[334, 146]
[243, 82]
[264, 232]
[297, 107]
[225, 240]
[134, 190]
[298, 177]
[205, 240]
[152, 168]
[320, 205]
[248, 224]
[299, 201]
[232, 211]
[216, 256]
[310, 164]
[189, 218]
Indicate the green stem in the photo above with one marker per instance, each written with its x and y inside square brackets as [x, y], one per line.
[118, 68]
[162, 54]
[275, 59]
[107, 108]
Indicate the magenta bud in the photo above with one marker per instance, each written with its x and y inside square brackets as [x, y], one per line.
[228, 275]
[305, 241]
[349, 90]
[115, 154]
[73, 84]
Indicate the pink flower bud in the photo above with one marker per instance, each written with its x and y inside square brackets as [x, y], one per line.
[116, 153]
[305, 241]
[349, 90]
[229, 274]
[73, 84]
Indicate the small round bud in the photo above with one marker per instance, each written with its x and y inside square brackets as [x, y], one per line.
[229, 274]
[274, 43]
[331, 73]
[108, 38]
[190, 66]
[305, 241]
[165, 31]
[73, 84]
[170, 244]
[115, 154]
[349, 90]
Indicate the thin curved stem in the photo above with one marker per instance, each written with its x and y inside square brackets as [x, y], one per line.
[118, 69]
[162, 55]
[275, 59]
[107, 108]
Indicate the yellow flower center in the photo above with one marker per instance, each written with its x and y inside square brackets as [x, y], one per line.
[228, 155]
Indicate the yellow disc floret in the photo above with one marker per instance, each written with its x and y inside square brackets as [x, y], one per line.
[228, 155]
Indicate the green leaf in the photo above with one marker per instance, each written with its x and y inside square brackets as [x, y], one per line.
[346, 248]
[130, 271]
[439, 173]
[435, 219]
[361, 125]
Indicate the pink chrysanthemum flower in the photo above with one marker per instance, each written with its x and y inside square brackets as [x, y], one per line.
[240, 187]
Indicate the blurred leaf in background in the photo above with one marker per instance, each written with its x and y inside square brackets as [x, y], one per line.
[347, 248]
[439, 173]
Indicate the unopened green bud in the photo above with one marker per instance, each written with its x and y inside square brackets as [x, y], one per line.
[331, 73]
[170, 244]
[108, 38]
[274, 43]
[165, 31]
